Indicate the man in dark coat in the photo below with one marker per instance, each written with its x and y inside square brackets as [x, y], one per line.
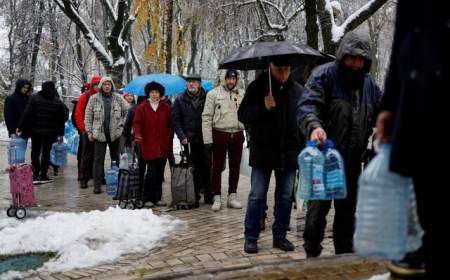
[339, 103]
[43, 119]
[187, 121]
[276, 142]
[15, 105]
[413, 120]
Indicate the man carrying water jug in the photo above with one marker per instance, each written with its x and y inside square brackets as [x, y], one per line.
[339, 103]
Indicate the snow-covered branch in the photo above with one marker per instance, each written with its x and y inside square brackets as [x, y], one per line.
[110, 9]
[4, 83]
[102, 55]
[352, 21]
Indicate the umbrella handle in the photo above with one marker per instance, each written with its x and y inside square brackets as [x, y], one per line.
[270, 82]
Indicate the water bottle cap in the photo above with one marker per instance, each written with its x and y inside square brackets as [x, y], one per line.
[311, 143]
[329, 144]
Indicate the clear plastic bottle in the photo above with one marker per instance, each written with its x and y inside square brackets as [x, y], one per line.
[124, 164]
[311, 182]
[382, 210]
[335, 184]
[111, 179]
[58, 153]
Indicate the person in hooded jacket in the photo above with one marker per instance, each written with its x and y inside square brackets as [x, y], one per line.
[104, 120]
[43, 119]
[86, 147]
[340, 103]
[15, 105]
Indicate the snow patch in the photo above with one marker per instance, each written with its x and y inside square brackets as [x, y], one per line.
[385, 276]
[85, 239]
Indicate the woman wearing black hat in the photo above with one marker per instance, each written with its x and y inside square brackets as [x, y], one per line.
[152, 126]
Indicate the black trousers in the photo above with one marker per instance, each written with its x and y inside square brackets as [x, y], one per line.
[344, 219]
[151, 177]
[86, 160]
[99, 158]
[201, 161]
[427, 187]
[41, 145]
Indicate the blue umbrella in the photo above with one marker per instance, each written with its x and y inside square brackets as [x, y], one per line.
[173, 84]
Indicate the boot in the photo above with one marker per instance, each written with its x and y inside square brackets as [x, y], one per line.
[97, 189]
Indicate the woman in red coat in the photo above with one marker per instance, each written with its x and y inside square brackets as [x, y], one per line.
[152, 126]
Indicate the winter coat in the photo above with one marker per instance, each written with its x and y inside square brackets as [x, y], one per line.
[346, 113]
[276, 140]
[187, 119]
[15, 105]
[95, 115]
[155, 129]
[45, 115]
[220, 112]
[416, 88]
[82, 102]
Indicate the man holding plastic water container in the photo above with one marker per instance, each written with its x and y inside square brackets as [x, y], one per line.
[276, 142]
[339, 103]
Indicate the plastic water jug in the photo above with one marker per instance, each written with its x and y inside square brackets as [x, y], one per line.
[111, 179]
[334, 172]
[383, 211]
[16, 150]
[124, 163]
[311, 166]
[58, 153]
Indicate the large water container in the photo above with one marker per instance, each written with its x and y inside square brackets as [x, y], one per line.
[16, 150]
[111, 179]
[383, 206]
[311, 163]
[58, 153]
[335, 184]
[73, 142]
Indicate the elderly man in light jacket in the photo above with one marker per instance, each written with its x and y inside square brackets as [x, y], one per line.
[104, 119]
[222, 133]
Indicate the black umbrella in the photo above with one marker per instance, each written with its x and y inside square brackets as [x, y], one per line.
[259, 55]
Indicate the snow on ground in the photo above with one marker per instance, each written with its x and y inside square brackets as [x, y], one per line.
[385, 276]
[85, 239]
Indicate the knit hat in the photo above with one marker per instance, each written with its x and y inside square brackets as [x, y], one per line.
[231, 73]
[154, 86]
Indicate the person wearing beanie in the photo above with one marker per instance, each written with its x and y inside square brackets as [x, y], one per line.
[187, 122]
[44, 119]
[129, 98]
[104, 120]
[222, 134]
[86, 147]
[152, 126]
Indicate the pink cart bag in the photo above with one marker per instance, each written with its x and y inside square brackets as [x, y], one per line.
[21, 182]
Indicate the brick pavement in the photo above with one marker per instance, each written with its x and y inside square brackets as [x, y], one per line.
[212, 241]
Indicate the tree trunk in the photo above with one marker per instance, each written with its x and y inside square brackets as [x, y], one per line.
[37, 40]
[54, 40]
[325, 25]
[311, 28]
[79, 53]
[194, 48]
[168, 41]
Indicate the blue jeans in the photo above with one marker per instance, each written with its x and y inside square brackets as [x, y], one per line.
[257, 200]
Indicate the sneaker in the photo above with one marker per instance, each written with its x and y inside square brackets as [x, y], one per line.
[251, 246]
[45, 179]
[233, 202]
[283, 244]
[36, 180]
[161, 203]
[217, 203]
[411, 266]
[149, 204]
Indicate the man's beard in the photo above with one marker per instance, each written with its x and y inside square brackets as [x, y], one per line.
[354, 79]
[230, 87]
